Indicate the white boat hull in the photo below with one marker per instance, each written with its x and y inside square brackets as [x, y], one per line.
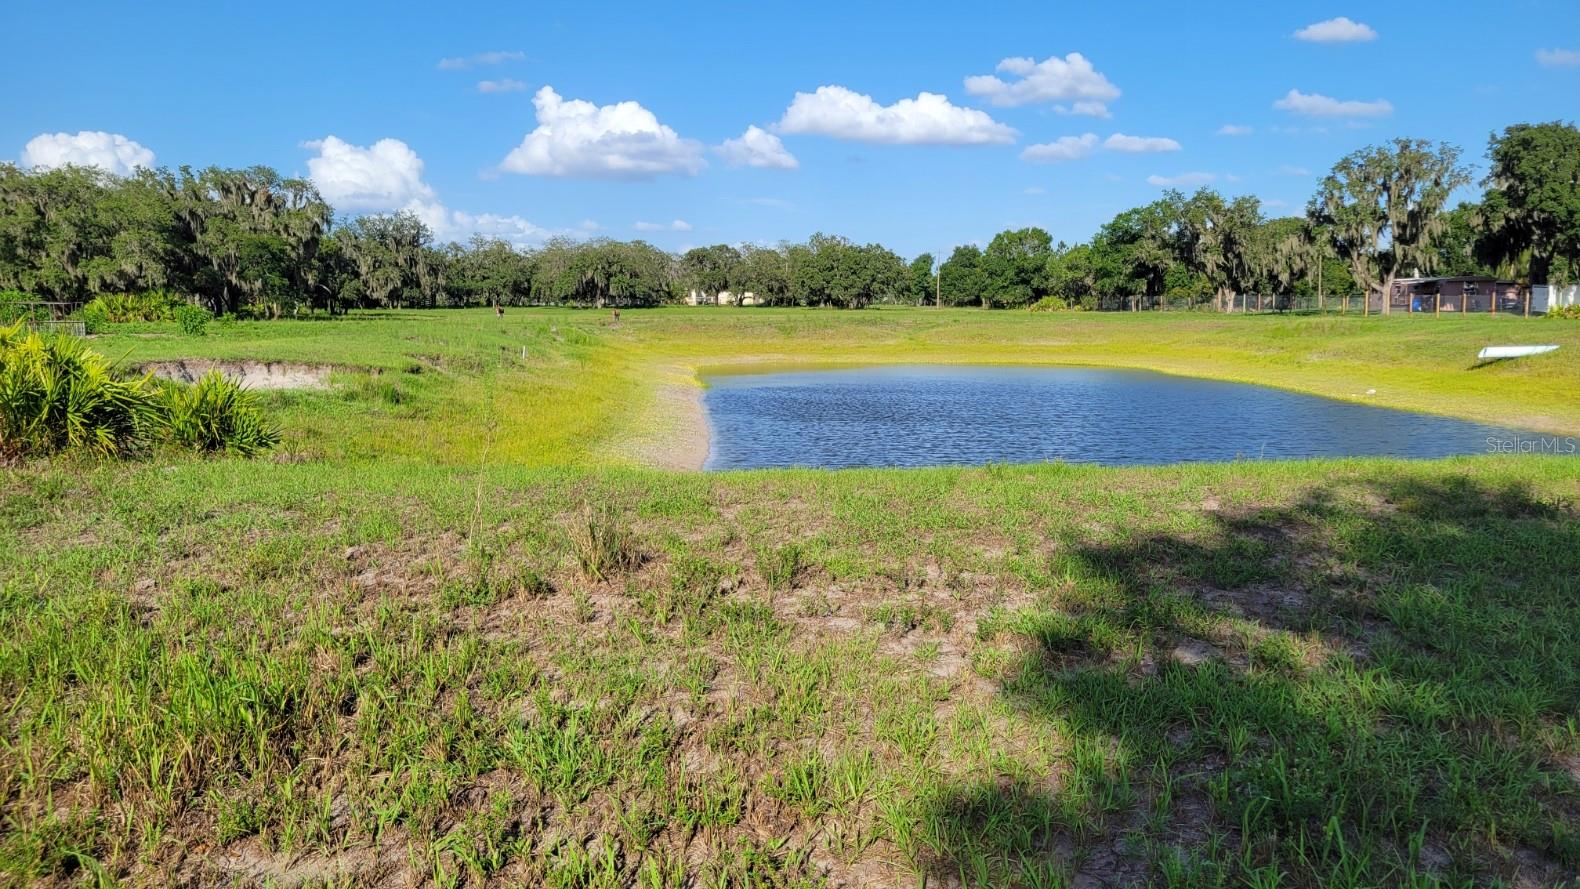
[1512, 351]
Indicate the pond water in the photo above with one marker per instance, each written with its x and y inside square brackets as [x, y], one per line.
[935, 415]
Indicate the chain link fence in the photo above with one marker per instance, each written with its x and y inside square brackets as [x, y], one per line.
[1311, 304]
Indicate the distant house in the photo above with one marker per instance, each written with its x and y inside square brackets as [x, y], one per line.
[722, 298]
[1464, 293]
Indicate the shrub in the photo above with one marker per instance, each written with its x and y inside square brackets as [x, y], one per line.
[193, 319]
[216, 414]
[126, 308]
[1055, 304]
[56, 394]
[1565, 313]
[94, 317]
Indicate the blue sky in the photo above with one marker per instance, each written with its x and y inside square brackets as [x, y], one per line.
[271, 83]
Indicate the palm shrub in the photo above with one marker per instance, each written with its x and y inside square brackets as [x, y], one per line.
[56, 394]
[216, 414]
[125, 308]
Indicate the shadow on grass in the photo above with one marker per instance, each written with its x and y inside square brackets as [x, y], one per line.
[1373, 684]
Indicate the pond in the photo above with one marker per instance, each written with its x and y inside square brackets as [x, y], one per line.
[936, 415]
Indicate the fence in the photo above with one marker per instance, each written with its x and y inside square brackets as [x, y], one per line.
[70, 328]
[1334, 303]
[1544, 297]
[1240, 303]
[1355, 303]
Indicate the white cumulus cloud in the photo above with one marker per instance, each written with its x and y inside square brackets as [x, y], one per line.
[757, 148]
[515, 229]
[1234, 129]
[1558, 58]
[503, 85]
[387, 176]
[110, 152]
[1065, 148]
[497, 57]
[620, 141]
[1071, 82]
[1318, 105]
[1182, 179]
[679, 225]
[458, 225]
[1139, 144]
[928, 119]
[1339, 30]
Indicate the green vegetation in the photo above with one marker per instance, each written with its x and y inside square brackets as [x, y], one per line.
[193, 319]
[58, 395]
[16, 306]
[130, 308]
[1358, 673]
[215, 414]
[1384, 207]
[1531, 214]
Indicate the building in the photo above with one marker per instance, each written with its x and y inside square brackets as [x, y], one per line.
[1466, 293]
[722, 298]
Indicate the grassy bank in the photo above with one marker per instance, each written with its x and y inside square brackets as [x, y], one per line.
[566, 387]
[457, 637]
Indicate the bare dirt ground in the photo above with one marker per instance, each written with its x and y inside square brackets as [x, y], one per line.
[673, 433]
[252, 374]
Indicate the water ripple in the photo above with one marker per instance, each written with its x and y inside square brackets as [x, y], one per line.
[939, 415]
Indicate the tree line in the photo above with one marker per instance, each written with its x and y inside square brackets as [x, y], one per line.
[253, 240]
[1378, 215]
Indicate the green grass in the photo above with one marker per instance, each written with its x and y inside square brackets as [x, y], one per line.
[411, 654]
